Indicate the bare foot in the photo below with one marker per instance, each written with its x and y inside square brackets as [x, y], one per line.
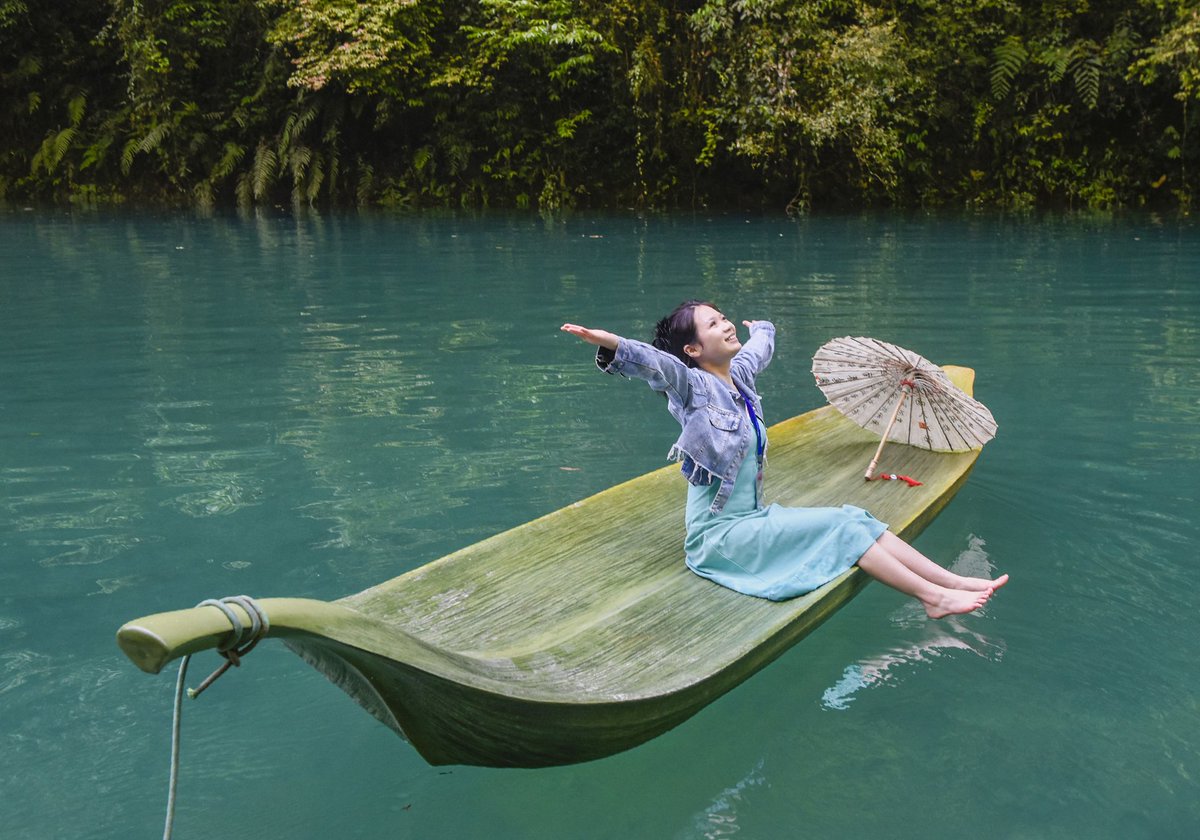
[980, 584]
[956, 602]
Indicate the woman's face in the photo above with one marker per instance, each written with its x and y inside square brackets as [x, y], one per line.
[716, 337]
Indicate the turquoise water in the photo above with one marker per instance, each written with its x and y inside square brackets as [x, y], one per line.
[196, 407]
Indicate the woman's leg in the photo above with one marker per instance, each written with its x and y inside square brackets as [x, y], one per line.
[939, 601]
[931, 571]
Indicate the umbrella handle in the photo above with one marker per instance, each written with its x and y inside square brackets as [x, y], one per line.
[904, 391]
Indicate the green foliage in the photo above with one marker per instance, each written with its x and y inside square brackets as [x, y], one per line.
[1175, 52]
[368, 48]
[798, 87]
[547, 31]
[557, 103]
[1068, 123]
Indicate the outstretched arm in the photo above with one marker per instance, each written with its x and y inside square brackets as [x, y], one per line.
[661, 371]
[757, 351]
[600, 338]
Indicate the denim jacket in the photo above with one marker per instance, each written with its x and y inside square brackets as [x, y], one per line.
[717, 434]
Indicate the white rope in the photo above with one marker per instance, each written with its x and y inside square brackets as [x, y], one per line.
[177, 719]
[259, 625]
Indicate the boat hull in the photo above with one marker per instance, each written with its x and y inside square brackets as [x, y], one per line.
[449, 722]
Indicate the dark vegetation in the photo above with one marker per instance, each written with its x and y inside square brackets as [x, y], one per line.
[621, 103]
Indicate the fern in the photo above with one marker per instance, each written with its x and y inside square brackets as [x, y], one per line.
[263, 172]
[229, 160]
[335, 169]
[1008, 58]
[304, 120]
[330, 136]
[244, 190]
[316, 175]
[62, 142]
[128, 154]
[459, 155]
[204, 195]
[39, 157]
[1057, 59]
[154, 138]
[52, 150]
[421, 158]
[95, 153]
[293, 127]
[1080, 60]
[298, 162]
[76, 108]
[1085, 70]
[366, 183]
[285, 136]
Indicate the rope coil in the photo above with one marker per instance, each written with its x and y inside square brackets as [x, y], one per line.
[259, 626]
[233, 650]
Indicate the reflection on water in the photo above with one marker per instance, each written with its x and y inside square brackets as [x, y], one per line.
[71, 526]
[18, 666]
[107, 586]
[720, 819]
[923, 641]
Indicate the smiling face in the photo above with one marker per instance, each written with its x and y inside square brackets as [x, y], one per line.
[716, 338]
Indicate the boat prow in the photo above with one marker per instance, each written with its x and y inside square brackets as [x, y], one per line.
[579, 634]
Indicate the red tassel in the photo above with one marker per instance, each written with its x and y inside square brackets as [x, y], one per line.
[911, 482]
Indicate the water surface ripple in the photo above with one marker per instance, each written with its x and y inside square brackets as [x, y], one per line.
[195, 407]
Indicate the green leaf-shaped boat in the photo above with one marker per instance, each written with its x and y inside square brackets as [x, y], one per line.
[582, 633]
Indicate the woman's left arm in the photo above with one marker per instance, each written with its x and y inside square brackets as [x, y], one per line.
[756, 353]
[598, 338]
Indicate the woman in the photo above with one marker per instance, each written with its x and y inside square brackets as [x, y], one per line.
[774, 552]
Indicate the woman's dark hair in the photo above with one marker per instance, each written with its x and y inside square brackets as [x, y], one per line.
[678, 330]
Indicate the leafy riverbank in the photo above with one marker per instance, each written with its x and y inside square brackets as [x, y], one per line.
[648, 103]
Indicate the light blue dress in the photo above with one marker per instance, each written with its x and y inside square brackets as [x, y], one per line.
[773, 552]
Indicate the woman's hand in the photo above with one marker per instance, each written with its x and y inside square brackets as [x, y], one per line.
[749, 324]
[600, 338]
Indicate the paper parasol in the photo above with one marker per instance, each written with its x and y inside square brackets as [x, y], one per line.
[901, 395]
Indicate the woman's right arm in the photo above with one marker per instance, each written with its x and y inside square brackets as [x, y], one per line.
[662, 371]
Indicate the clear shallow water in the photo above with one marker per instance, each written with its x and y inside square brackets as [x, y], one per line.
[278, 406]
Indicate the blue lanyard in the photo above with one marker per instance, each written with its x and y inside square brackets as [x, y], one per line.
[754, 421]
